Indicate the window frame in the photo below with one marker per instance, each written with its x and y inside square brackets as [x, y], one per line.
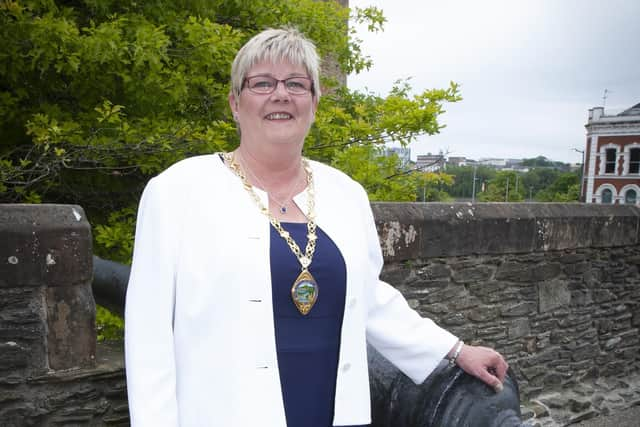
[608, 162]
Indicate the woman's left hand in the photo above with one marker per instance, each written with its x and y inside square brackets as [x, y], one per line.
[484, 363]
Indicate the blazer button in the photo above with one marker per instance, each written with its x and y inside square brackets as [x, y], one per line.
[346, 367]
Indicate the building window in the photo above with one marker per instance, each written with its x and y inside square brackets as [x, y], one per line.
[634, 160]
[607, 196]
[630, 197]
[610, 160]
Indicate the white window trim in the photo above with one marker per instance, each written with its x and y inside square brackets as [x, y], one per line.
[623, 193]
[627, 157]
[603, 159]
[598, 193]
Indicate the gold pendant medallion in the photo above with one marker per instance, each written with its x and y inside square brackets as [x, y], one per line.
[304, 292]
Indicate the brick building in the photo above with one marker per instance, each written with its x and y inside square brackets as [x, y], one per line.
[612, 157]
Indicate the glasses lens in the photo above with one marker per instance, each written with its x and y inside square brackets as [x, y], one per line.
[298, 85]
[262, 84]
[267, 84]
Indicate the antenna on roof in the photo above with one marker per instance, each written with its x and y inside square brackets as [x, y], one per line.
[604, 97]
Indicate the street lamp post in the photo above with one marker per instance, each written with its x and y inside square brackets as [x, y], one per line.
[581, 174]
[506, 196]
[473, 189]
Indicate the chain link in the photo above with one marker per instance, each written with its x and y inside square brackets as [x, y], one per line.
[304, 260]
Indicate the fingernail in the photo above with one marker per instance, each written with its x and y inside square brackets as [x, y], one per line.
[498, 387]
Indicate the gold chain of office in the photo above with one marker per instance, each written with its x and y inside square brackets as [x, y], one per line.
[306, 258]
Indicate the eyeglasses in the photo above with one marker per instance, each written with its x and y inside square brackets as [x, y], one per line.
[264, 85]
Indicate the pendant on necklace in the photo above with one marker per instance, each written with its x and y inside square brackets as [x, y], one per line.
[283, 210]
[304, 292]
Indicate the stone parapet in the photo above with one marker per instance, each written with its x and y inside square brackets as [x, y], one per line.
[426, 230]
[47, 320]
[554, 287]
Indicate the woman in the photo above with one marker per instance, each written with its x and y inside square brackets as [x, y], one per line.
[254, 286]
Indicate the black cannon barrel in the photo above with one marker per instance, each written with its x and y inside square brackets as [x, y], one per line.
[447, 398]
[109, 285]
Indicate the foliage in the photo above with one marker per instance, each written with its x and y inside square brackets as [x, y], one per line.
[462, 185]
[537, 179]
[565, 188]
[97, 96]
[430, 186]
[504, 187]
[109, 326]
[115, 238]
[543, 162]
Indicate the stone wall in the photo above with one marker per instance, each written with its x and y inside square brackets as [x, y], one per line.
[48, 370]
[554, 287]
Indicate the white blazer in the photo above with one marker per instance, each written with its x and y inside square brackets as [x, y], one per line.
[199, 333]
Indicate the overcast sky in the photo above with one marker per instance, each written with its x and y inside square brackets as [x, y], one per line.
[529, 70]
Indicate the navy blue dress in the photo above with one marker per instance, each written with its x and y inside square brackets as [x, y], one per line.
[308, 346]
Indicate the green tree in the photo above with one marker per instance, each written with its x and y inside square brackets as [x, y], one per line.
[543, 162]
[537, 179]
[506, 186]
[540, 161]
[462, 185]
[566, 188]
[97, 96]
[431, 186]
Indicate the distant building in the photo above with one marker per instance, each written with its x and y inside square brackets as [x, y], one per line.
[430, 162]
[611, 171]
[496, 163]
[404, 153]
[457, 161]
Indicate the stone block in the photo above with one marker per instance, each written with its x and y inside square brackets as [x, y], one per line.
[445, 294]
[581, 298]
[476, 274]
[483, 314]
[572, 258]
[579, 405]
[553, 294]
[514, 272]
[454, 319]
[533, 372]
[603, 295]
[518, 309]
[398, 274]
[552, 379]
[465, 303]
[546, 271]
[484, 289]
[436, 271]
[46, 303]
[44, 244]
[22, 332]
[585, 352]
[519, 328]
[71, 318]
[492, 331]
[576, 269]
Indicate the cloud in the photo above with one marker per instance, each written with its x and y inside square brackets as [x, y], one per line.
[529, 69]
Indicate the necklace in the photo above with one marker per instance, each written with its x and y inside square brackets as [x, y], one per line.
[283, 205]
[304, 291]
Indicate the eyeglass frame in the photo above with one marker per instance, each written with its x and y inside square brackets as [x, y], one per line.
[283, 81]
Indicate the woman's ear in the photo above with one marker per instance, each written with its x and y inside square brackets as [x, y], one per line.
[233, 105]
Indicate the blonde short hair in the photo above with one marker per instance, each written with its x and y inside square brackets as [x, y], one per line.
[276, 45]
